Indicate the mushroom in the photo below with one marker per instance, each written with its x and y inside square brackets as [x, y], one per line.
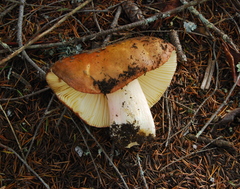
[116, 86]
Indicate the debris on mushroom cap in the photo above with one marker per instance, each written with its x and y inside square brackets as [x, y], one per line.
[109, 69]
[93, 108]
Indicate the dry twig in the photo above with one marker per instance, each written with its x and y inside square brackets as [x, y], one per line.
[85, 142]
[208, 24]
[113, 25]
[208, 74]
[19, 39]
[44, 33]
[26, 164]
[95, 19]
[219, 109]
[5, 46]
[13, 131]
[28, 86]
[106, 32]
[184, 157]
[142, 172]
[25, 96]
[169, 119]
[38, 127]
[106, 155]
[176, 42]
[4, 12]
[185, 128]
[216, 142]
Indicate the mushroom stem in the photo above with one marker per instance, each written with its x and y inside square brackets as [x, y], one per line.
[131, 121]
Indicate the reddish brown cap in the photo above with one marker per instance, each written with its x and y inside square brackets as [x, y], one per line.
[108, 69]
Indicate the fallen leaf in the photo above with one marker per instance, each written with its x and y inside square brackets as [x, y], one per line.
[208, 74]
[233, 58]
[165, 6]
[228, 118]
[172, 4]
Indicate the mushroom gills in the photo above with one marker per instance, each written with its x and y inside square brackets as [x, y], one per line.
[92, 108]
[131, 121]
[155, 82]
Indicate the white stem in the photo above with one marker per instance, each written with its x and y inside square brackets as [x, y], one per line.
[131, 121]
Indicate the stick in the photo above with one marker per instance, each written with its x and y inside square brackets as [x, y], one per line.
[142, 172]
[44, 33]
[19, 39]
[169, 118]
[216, 142]
[25, 96]
[183, 157]
[38, 126]
[113, 25]
[210, 25]
[219, 109]
[13, 131]
[106, 155]
[176, 42]
[208, 74]
[85, 142]
[106, 32]
[26, 164]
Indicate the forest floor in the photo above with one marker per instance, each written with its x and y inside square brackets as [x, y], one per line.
[44, 145]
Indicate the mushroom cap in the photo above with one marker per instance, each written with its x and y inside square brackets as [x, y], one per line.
[96, 74]
[108, 69]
